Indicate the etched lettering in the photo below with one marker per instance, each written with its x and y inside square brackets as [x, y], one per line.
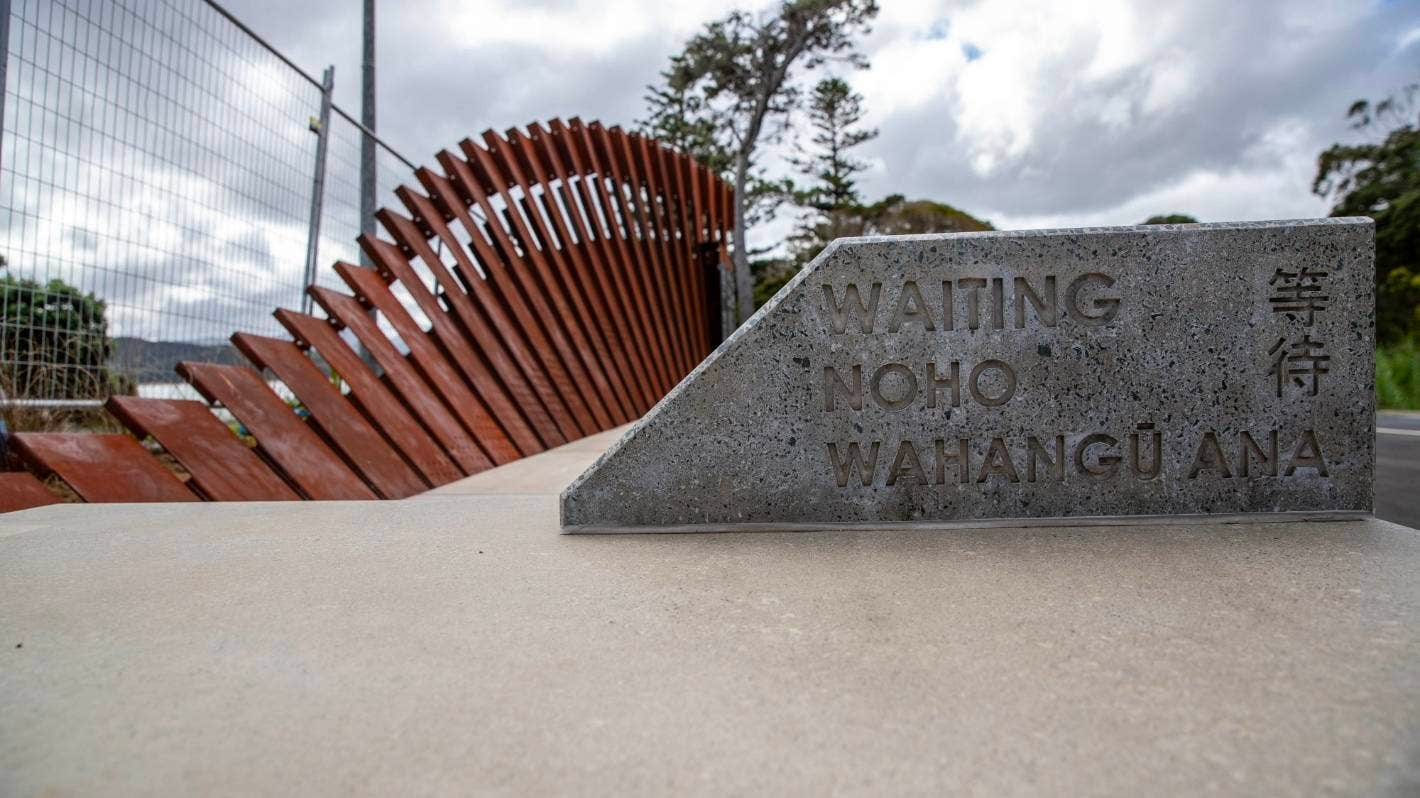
[910, 307]
[834, 384]
[973, 285]
[839, 313]
[1046, 309]
[998, 462]
[906, 465]
[1106, 465]
[1008, 376]
[1251, 450]
[1036, 452]
[909, 383]
[1209, 456]
[952, 382]
[1306, 454]
[843, 468]
[1102, 309]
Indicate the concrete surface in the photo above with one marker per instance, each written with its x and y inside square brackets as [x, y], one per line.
[1398, 467]
[1031, 374]
[460, 645]
[548, 472]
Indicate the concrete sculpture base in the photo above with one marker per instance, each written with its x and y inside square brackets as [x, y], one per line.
[1141, 371]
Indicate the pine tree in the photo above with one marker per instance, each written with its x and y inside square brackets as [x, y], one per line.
[834, 111]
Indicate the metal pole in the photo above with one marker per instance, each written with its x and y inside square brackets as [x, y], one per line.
[368, 183]
[321, 128]
[367, 143]
[4, 65]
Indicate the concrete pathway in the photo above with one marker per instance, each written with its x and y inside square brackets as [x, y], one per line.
[457, 644]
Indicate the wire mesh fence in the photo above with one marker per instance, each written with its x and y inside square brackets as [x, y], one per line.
[156, 179]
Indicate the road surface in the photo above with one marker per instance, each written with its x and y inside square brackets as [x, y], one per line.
[1398, 467]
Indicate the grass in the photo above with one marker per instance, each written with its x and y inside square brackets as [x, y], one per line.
[1398, 375]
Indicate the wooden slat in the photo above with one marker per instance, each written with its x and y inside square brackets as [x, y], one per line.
[548, 166]
[627, 208]
[101, 468]
[21, 491]
[658, 212]
[691, 275]
[624, 153]
[610, 266]
[222, 467]
[338, 420]
[489, 324]
[571, 282]
[385, 411]
[628, 261]
[565, 363]
[281, 436]
[500, 289]
[405, 381]
[466, 405]
[497, 378]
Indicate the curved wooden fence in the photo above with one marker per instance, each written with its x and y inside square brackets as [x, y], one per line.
[541, 286]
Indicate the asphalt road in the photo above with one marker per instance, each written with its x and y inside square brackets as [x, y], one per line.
[1398, 467]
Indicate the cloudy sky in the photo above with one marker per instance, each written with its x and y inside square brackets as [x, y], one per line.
[1030, 114]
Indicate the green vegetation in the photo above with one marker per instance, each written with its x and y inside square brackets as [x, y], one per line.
[55, 342]
[893, 215]
[733, 89]
[1381, 179]
[1398, 375]
[1171, 218]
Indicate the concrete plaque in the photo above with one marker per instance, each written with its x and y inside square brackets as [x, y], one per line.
[1066, 374]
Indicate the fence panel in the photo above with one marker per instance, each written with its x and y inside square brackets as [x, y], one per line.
[157, 159]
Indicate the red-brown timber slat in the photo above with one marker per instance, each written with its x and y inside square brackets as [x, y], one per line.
[373, 397]
[281, 436]
[612, 259]
[19, 490]
[610, 193]
[561, 276]
[586, 255]
[483, 313]
[101, 468]
[337, 420]
[500, 405]
[222, 467]
[632, 255]
[524, 416]
[501, 275]
[692, 274]
[556, 318]
[404, 380]
[630, 182]
[467, 406]
[565, 270]
[658, 208]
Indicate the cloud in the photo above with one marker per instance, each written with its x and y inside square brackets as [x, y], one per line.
[1030, 114]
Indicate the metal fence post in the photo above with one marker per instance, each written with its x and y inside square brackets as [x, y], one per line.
[4, 64]
[321, 128]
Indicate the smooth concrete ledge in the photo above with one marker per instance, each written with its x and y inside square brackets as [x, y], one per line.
[461, 645]
[1286, 517]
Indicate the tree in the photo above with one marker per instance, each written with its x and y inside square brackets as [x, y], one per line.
[834, 111]
[1171, 218]
[893, 215]
[1381, 179]
[677, 116]
[742, 67]
[56, 342]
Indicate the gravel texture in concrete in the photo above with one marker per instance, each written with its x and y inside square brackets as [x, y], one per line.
[1150, 370]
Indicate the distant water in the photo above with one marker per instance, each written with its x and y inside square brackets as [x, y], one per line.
[181, 390]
